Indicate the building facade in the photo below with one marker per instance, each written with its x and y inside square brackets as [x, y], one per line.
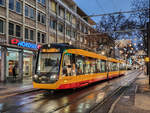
[25, 25]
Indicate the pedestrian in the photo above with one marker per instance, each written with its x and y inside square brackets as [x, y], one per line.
[14, 72]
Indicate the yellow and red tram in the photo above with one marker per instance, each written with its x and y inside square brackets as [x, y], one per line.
[61, 66]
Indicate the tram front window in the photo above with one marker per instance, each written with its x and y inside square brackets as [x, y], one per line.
[49, 63]
[48, 67]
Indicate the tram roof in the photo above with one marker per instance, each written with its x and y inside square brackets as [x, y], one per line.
[60, 46]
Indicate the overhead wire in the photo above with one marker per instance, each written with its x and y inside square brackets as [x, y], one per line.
[120, 12]
[119, 31]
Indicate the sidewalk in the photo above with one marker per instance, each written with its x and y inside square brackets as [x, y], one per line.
[14, 88]
[136, 99]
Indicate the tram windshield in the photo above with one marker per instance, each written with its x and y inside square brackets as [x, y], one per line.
[49, 63]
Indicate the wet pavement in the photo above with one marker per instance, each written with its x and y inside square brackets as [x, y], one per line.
[136, 99]
[13, 88]
[65, 101]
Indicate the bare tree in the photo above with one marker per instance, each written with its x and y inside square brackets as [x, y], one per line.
[114, 25]
[141, 19]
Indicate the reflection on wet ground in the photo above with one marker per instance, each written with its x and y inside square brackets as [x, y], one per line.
[64, 101]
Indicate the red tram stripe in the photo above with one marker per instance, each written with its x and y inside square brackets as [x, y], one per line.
[79, 84]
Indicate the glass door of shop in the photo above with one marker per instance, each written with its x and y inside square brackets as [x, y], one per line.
[27, 64]
[12, 61]
[0, 63]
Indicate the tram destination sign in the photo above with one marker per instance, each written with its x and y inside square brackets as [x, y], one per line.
[15, 41]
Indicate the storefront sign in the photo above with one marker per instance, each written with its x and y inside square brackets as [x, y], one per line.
[24, 44]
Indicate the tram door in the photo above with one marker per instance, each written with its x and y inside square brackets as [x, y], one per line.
[69, 71]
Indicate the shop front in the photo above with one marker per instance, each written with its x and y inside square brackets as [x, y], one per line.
[28, 63]
[0, 62]
[17, 60]
[12, 60]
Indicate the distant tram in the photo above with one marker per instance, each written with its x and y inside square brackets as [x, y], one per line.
[62, 66]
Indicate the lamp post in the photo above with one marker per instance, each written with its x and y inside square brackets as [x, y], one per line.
[148, 43]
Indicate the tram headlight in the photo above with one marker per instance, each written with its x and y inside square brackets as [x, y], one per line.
[53, 77]
[36, 77]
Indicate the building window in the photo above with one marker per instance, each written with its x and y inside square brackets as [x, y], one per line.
[11, 4]
[68, 16]
[26, 33]
[41, 18]
[29, 12]
[18, 31]
[2, 2]
[1, 26]
[60, 28]
[26, 11]
[18, 6]
[61, 12]
[42, 2]
[53, 24]
[82, 28]
[74, 20]
[53, 6]
[73, 34]
[41, 37]
[11, 29]
[38, 37]
[15, 5]
[31, 35]
[68, 32]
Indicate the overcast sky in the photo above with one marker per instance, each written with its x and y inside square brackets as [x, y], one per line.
[103, 6]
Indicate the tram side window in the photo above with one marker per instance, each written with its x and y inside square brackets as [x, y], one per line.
[117, 67]
[103, 66]
[114, 66]
[93, 65]
[80, 64]
[110, 66]
[98, 66]
[122, 66]
[69, 67]
[87, 65]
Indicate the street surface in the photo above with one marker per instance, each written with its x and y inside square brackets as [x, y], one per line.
[82, 100]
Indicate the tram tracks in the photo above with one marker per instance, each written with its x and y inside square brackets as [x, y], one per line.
[64, 105]
[117, 91]
[112, 97]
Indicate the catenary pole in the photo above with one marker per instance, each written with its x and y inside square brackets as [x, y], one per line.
[148, 43]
